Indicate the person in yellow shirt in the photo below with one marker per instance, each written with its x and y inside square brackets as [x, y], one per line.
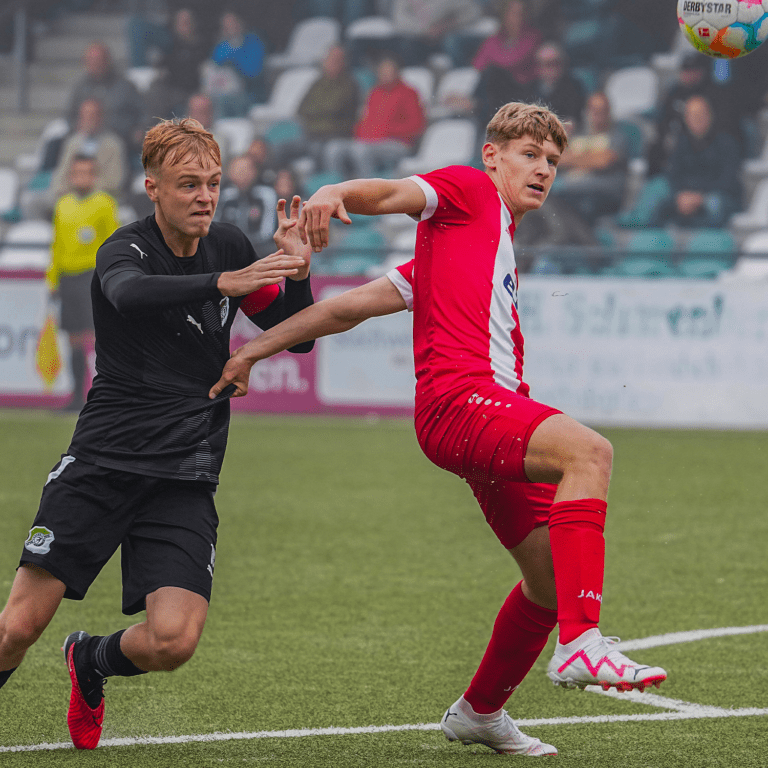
[83, 219]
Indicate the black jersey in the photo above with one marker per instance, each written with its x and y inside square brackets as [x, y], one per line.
[162, 340]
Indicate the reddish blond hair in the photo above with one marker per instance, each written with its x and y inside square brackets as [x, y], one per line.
[517, 119]
[177, 140]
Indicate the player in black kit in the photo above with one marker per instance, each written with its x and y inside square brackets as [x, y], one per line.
[142, 468]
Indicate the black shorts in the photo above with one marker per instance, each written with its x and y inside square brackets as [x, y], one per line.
[166, 528]
[76, 308]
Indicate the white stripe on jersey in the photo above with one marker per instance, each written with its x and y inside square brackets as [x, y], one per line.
[431, 196]
[403, 286]
[503, 312]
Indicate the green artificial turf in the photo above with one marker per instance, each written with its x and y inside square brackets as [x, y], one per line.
[356, 584]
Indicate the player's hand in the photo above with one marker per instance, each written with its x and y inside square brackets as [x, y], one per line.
[266, 271]
[315, 219]
[236, 372]
[287, 236]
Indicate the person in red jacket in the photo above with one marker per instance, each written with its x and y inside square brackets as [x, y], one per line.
[391, 123]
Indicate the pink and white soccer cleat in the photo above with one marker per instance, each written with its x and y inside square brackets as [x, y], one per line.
[591, 659]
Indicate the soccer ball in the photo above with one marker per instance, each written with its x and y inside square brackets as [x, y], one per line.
[726, 29]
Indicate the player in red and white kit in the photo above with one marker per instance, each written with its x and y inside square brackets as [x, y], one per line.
[540, 477]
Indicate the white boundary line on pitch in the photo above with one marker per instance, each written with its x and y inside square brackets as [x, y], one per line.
[679, 710]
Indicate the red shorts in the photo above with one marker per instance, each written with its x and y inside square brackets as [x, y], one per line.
[482, 435]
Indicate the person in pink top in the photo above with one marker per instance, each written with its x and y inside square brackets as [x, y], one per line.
[391, 123]
[513, 47]
[540, 477]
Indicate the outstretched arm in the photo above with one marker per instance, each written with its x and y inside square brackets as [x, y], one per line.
[370, 197]
[379, 297]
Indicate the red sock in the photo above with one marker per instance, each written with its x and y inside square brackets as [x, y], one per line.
[578, 554]
[519, 635]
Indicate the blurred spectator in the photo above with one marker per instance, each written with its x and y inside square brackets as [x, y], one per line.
[702, 169]
[555, 86]
[234, 75]
[200, 108]
[592, 171]
[123, 109]
[180, 74]
[261, 156]
[391, 123]
[92, 139]
[506, 61]
[329, 108]
[83, 219]
[694, 78]
[247, 204]
[513, 47]
[148, 35]
[426, 27]
[286, 185]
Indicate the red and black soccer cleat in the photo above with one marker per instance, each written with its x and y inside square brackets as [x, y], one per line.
[84, 722]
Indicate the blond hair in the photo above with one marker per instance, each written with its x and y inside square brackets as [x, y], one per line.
[176, 141]
[517, 119]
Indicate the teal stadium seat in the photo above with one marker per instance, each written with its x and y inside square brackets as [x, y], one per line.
[648, 255]
[320, 179]
[282, 132]
[708, 253]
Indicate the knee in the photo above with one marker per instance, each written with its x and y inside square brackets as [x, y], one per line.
[17, 633]
[601, 454]
[172, 651]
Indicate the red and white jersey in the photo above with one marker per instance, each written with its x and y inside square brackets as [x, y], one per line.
[462, 286]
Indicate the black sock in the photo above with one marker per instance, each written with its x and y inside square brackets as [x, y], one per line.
[5, 675]
[109, 660]
[99, 657]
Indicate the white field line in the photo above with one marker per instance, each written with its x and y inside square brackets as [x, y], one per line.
[681, 710]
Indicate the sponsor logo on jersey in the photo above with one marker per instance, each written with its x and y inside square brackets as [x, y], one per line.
[194, 322]
[224, 310]
[39, 541]
[141, 253]
[510, 284]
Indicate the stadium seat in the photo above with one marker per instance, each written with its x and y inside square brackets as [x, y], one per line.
[320, 179]
[647, 255]
[237, 132]
[748, 268]
[422, 79]
[286, 95]
[756, 243]
[368, 38]
[282, 132]
[758, 166]
[362, 239]
[460, 81]
[309, 42]
[632, 91]
[27, 245]
[32, 162]
[142, 77]
[710, 242]
[445, 142]
[9, 191]
[756, 215]
[353, 264]
[703, 267]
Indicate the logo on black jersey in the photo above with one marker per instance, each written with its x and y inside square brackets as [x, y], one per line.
[194, 322]
[224, 310]
[141, 253]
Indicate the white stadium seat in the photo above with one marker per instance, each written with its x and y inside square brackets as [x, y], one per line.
[237, 132]
[286, 95]
[422, 80]
[371, 27]
[756, 215]
[461, 82]
[308, 44]
[9, 189]
[445, 142]
[632, 91]
[27, 245]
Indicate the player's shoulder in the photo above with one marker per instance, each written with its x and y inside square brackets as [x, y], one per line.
[128, 240]
[465, 173]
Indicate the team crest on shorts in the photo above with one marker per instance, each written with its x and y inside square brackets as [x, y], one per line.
[39, 541]
[224, 310]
